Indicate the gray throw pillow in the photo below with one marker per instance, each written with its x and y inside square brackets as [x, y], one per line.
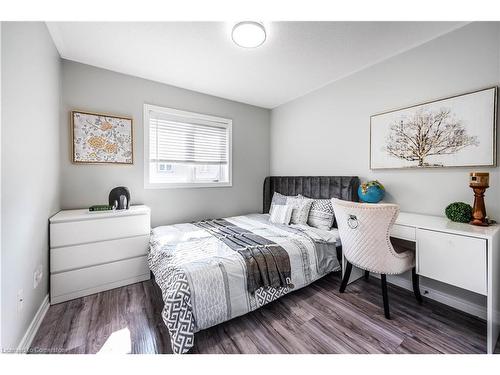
[301, 206]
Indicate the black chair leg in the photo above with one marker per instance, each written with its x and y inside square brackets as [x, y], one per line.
[347, 274]
[416, 285]
[339, 255]
[367, 275]
[385, 297]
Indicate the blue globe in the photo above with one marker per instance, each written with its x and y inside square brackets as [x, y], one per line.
[371, 192]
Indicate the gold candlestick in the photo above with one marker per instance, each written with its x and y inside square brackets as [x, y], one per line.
[479, 182]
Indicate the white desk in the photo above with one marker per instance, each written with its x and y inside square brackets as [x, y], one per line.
[458, 254]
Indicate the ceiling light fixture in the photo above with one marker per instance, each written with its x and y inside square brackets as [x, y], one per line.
[248, 34]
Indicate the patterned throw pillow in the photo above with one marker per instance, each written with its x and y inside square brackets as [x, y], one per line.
[321, 215]
[301, 206]
[278, 200]
[281, 214]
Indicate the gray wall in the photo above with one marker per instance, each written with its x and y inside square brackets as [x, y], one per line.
[98, 90]
[30, 168]
[327, 131]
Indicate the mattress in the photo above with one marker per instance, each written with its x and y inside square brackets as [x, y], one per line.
[203, 281]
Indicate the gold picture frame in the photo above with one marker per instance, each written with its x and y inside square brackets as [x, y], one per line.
[101, 138]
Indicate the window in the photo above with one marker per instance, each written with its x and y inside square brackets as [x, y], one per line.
[184, 149]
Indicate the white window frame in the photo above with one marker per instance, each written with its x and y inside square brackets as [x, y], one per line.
[222, 122]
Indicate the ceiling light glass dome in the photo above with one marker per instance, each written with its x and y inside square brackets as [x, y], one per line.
[248, 34]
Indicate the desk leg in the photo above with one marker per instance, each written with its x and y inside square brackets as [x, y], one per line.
[356, 272]
[493, 298]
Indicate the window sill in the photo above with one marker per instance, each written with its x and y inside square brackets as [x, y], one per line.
[187, 185]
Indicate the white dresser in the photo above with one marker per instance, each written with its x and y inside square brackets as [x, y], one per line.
[91, 252]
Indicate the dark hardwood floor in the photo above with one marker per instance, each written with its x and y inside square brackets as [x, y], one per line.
[315, 319]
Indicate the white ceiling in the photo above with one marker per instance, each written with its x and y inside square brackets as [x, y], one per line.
[297, 57]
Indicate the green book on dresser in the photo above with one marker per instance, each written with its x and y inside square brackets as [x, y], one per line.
[100, 207]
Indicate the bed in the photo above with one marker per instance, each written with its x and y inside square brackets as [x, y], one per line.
[214, 270]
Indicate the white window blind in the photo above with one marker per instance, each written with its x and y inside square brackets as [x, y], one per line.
[186, 141]
[184, 149]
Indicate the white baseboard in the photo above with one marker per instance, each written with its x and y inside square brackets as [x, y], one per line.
[28, 337]
[444, 298]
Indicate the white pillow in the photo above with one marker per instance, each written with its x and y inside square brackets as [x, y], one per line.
[281, 214]
[301, 207]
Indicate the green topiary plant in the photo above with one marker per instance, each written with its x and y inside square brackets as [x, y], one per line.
[459, 211]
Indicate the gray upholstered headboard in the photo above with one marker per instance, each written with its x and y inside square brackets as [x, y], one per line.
[342, 187]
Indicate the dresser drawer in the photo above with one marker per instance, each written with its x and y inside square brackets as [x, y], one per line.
[71, 257]
[452, 259]
[98, 229]
[403, 232]
[90, 280]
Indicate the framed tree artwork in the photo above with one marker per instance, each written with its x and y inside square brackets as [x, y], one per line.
[101, 139]
[458, 131]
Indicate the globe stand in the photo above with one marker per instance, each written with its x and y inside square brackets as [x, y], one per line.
[479, 209]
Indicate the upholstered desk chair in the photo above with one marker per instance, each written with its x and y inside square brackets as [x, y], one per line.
[364, 233]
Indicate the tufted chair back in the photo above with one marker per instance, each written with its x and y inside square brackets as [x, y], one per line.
[364, 230]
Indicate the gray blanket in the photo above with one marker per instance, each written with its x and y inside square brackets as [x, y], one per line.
[268, 264]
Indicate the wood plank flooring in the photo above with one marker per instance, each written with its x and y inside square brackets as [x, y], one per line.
[315, 319]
